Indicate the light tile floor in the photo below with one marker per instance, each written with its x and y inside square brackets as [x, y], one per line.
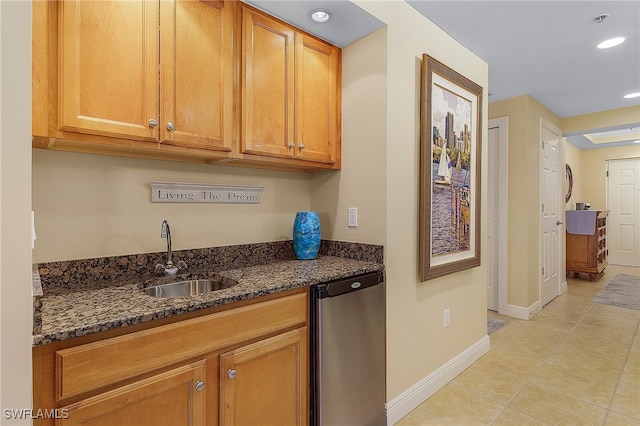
[575, 363]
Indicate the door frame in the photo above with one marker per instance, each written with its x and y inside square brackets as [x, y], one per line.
[561, 256]
[502, 123]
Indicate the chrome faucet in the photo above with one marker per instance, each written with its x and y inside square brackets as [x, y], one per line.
[169, 268]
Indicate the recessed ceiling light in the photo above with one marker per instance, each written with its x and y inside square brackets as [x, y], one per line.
[320, 15]
[611, 42]
[632, 95]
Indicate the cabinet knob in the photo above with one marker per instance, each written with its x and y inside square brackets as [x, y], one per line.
[301, 146]
[200, 385]
[292, 145]
[152, 123]
[231, 374]
[170, 126]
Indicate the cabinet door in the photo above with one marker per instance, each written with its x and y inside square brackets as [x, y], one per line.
[170, 399]
[265, 383]
[317, 100]
[267, 85]
[108, 68]
[196, 80]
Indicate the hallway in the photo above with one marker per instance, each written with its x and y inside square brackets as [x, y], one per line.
[576, 363]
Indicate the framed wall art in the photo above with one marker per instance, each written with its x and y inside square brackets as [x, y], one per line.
[450, 161]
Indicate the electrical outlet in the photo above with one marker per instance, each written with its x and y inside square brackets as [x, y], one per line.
[352, 217]
[447, 317]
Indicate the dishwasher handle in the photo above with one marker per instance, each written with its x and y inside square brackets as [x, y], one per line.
[348, 285]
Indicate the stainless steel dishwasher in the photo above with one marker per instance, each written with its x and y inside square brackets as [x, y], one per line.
[348, 352]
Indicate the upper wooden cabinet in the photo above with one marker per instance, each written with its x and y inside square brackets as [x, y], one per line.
[196, 73]
[318, 100]
[290, 92]
[108, 68]
[123, 75]
[203, 81]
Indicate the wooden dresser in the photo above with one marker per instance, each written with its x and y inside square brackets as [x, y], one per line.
[586, 242]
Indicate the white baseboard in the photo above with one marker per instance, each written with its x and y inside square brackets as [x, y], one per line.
[408, 400]
[521, 312]
[563, 288]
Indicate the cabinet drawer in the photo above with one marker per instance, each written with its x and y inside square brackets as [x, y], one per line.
[88, 367]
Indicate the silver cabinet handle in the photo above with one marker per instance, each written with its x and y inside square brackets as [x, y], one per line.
[301, 147]
[200, 385]
[170, 126]
[232, 374]
[152, 123]
[292, 145]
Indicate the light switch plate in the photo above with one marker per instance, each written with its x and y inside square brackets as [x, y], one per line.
[352, 217]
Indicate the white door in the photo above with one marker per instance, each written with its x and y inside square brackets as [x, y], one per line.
[492, 219]
[623, 201]
[551, 217]
[497, 190]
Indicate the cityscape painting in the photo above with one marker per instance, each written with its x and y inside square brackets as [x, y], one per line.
[450, 171]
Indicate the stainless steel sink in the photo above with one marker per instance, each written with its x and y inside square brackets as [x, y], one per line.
[189, 287]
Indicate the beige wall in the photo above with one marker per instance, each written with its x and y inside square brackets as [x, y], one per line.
[573, 157]
[417, 342]
[589, 169]
[362, 181]
[590, 166]
[601, 120]
[92, 206]
[518, 217]
[594, 166]
[523, 232]
[15, 208]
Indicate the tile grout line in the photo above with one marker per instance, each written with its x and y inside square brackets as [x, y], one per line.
[606, 410]
[568, 323]
[615, 390]
[544, 362]
[557, 348]
[508, 404]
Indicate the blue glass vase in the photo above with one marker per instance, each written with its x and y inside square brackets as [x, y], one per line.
[306, 235]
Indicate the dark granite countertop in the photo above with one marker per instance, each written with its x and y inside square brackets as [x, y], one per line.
[70, 313]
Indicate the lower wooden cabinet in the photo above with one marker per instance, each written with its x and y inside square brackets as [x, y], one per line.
[265, 383]
[241, 366]
[176, 397]
[588, 253]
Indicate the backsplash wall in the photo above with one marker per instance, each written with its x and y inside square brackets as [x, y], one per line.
[89, 206]
[116, 270]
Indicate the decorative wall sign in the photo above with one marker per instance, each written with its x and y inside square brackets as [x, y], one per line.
[450, 151]
[180, 192]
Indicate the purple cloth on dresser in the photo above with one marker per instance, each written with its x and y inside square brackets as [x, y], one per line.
[581, 222]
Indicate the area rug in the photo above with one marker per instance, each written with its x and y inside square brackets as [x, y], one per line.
[623, 291]
[493, 324]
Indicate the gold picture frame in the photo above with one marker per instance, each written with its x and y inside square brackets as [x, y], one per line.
[450, 170]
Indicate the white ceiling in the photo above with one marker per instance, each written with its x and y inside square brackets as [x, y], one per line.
[348, 22]
[545, 49]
